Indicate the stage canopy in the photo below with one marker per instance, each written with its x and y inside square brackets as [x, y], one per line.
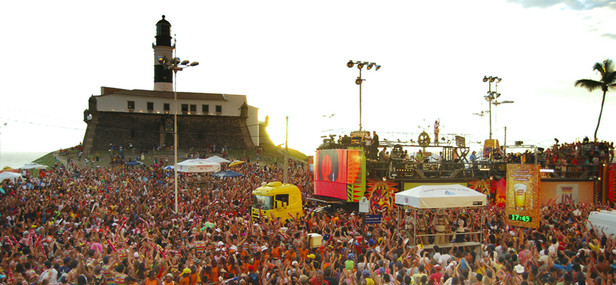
[441, 196]
[198, 165]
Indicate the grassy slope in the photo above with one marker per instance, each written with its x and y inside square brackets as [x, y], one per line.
[268, 155]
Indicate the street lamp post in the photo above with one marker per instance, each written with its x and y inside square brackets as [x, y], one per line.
[360, 80]
[492, 95]
[175, 65]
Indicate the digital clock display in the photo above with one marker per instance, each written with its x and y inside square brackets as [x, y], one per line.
[520, 218]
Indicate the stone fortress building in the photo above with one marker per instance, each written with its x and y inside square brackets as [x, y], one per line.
[144, 118]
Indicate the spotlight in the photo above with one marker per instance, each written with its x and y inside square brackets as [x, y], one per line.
[350, 64]
[377, 67]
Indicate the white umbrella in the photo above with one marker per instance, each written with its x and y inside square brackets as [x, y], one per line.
[33, 165]
[217, 159]
[198, 165]
[9, 175]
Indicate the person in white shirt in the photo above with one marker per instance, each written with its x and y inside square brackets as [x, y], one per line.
[50, 274]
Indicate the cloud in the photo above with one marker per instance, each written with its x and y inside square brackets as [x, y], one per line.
[571, 4]
[610, 36]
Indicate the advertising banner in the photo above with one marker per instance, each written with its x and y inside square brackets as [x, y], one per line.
[569, 192]
[489, 146]
[523, 204]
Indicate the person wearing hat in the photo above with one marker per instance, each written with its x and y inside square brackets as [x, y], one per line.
[303, 279]
[253, 277]
[185, 278]
[441, 226]
[367, 276]
[435, 277]
[409, 223]
[168, 279]
[422, 228]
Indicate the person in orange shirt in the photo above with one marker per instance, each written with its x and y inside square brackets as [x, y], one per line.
[169, 279]
[242, 251]
[289, 255]
[303, 252]
[215, 271]
[232, 266]
[152, 280]
[257, 260]
[276, 253]
[206, 274]
[245, 263]
[185, 277]
[193, 275]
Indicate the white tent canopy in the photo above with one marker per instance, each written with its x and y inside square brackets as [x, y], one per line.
[217, 159]
[9, 175]
[441, 196]
[198, 165]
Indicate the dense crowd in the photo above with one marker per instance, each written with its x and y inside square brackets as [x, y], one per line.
[78, 225]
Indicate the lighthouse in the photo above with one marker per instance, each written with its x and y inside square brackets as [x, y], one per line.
[163, 77]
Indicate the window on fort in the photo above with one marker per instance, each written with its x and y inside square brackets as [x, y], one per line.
[150, 107]
[131, 106]
[184, 108]
[193, 109]
[218, 108]
[205, 109]
[166, 108]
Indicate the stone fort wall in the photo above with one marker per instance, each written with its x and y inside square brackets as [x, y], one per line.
[145, 131]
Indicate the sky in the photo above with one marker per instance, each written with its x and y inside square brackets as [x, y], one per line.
[289, 58]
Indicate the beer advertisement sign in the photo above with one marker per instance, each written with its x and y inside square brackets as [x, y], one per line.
[523, 204]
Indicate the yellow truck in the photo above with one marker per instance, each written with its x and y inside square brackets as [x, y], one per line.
[274, 199]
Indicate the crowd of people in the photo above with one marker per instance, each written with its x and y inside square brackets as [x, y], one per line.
[118, 225]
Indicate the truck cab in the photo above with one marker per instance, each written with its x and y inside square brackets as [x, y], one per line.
[274, 199]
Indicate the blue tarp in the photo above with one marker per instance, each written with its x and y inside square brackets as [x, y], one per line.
[227, 173]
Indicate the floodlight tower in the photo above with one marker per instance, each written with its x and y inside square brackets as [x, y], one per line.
[360, 80]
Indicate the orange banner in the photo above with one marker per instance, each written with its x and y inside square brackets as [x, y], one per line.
[523, 204]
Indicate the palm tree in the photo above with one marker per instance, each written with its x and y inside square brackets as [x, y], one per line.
[607, 81]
